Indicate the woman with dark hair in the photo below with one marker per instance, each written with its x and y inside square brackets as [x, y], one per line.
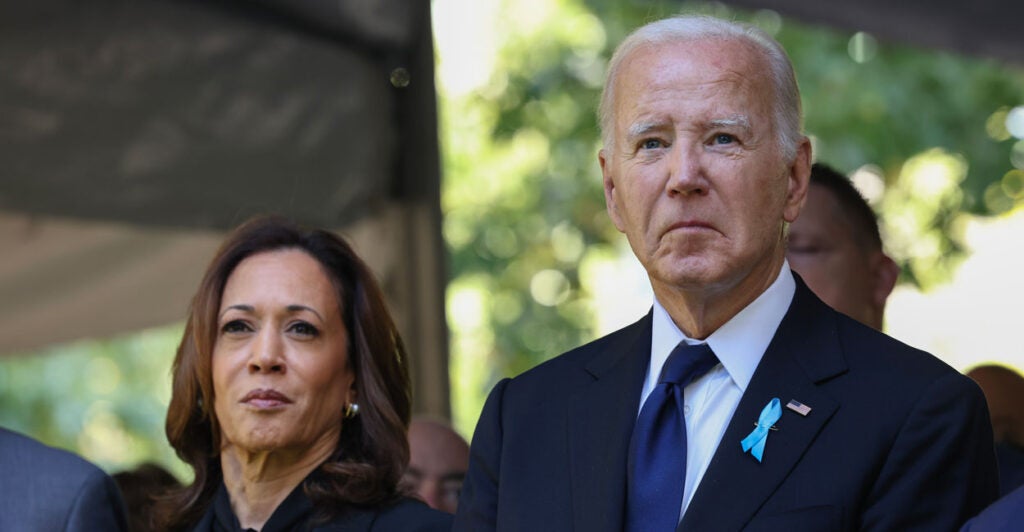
[291, 394]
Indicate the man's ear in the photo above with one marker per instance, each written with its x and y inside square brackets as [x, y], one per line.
[609, 189]
[884, 272]
[799, 180]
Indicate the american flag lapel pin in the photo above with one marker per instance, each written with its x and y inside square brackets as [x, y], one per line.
[798, 407]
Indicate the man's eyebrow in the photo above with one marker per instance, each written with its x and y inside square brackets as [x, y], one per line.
[640, 129]
[453, 476]
[741, 121]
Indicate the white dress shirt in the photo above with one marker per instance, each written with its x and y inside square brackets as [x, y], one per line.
[711, 400]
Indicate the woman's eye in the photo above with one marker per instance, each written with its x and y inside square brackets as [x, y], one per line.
[651, 144]
[304, 329]
[235, 326]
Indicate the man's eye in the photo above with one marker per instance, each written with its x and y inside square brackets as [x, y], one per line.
[304, 329]
[724, 138]
[235, 326]
[651, 144]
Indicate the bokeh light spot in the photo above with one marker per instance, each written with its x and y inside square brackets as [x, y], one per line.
[1015, 121]
[549, 287]
[1017, 155]
[869, 182]
[768, 20]
[862, 47]
[501, 241]
[567, 243]
[466, 306]
[400, 78]
[995, 125]
[1013, 184]
[507, 307]
[996, 200]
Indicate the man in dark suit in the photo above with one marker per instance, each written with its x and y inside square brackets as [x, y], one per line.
[47, 489]
[741, 401]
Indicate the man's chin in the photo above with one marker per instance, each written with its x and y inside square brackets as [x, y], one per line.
[687, 275]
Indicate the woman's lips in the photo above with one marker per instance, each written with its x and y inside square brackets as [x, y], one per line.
[261, 398]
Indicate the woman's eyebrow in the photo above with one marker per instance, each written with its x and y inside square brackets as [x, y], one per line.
[297, 308]
[243, 308]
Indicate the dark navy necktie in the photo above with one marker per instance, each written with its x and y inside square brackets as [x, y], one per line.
[657, 450]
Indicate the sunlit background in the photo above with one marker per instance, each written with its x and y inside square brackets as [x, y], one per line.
[932, 139]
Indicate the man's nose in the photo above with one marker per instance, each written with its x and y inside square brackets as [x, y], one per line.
[686, 171]
[431, 493]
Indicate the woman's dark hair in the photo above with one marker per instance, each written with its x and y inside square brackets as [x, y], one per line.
[372, 452]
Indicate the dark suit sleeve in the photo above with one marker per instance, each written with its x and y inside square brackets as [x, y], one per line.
[409, 516]
[478, 501]
[97, 505]
[941, 469]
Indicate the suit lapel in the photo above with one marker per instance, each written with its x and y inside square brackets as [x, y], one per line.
[601, 419]
[802, 353]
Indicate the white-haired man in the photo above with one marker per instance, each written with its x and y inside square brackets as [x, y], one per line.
[741, 401]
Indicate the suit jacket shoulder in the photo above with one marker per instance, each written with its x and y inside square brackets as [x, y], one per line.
[895, 438]
[51, 489]
[549, 451]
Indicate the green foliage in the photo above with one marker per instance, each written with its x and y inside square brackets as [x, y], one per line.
[897, 105]
[105, 400]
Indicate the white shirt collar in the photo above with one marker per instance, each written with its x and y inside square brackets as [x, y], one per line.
[740, 343]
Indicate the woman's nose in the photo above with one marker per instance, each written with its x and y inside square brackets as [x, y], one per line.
[267, 353]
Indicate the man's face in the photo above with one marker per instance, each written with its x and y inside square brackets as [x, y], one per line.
[695, 178]
[823, 250]
[438, 460]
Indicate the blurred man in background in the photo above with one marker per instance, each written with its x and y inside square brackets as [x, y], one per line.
[140, 487]
[835, 246]
[437, 463]
[1004, 392]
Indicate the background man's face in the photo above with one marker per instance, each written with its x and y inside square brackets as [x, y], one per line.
[695, 178]
[438, 459]
[823, 250]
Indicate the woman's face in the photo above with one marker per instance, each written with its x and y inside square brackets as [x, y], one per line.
[281, 375]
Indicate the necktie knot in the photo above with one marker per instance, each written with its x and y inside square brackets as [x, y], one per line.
[687, 363]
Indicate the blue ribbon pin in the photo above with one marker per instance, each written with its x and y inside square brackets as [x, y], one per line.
[754, 442]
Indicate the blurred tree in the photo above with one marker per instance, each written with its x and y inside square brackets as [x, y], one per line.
[105, 400]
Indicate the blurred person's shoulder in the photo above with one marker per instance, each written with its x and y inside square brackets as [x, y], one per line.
[20, 452]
